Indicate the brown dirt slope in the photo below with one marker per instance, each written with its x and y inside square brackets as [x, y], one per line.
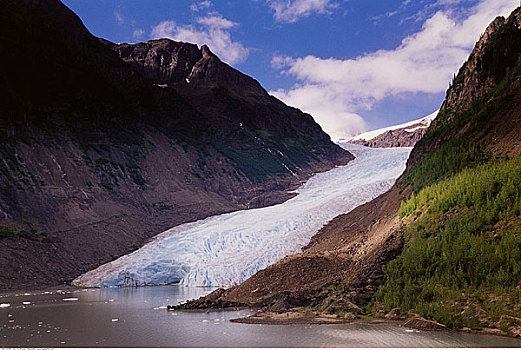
[348, 251]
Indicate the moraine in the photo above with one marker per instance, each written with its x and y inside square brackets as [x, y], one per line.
[226, 249]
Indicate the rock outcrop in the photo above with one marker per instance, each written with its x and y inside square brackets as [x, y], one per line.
[472, 80]
[490, 109]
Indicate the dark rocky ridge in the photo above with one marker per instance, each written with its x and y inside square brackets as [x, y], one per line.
[491, 119]
[97, 156]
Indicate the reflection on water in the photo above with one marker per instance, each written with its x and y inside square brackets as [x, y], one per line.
[137, 317]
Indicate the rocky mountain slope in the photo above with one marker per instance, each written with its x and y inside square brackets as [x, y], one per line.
[442, 245]
[104, 145]
[403, 135]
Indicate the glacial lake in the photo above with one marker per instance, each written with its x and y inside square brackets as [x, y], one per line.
[137, 317]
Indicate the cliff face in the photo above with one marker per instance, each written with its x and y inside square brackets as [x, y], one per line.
[481, 103]
[104, 145]
[472, 80]
[465, 218]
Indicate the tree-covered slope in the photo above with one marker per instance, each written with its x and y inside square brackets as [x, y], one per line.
[461, 263]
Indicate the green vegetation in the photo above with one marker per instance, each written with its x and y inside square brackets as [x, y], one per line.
[8, 231]
[13, 172]
[457, 139]
[162, 206]
[463, 246]
[461, 263]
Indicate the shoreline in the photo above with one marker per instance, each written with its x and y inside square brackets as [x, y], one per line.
[287, 318]
[267, 319]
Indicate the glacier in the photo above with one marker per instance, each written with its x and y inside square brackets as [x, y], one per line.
[224, 250]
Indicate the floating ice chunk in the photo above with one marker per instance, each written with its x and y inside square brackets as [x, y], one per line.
[115, 320]
[70, 299]
[225, 250]
[26, 302]
[4, 305]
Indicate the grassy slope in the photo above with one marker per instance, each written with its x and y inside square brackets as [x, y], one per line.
[464, 249]
[461, 263]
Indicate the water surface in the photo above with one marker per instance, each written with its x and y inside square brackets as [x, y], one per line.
[137, 317]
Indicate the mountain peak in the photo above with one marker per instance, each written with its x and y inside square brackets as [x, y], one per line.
[486, 66]
[492, 27]
[184, 65]
[206, 52]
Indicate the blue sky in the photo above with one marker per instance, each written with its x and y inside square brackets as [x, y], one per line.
[355, 65]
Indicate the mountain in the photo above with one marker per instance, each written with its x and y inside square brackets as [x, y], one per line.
[403, 135]
[442, 248]
[103, 146]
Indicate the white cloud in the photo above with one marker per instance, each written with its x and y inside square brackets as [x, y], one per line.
[216, 22]
[292, 10]
[138, 34]
[212, 30]
[280, 62]
[335, 91]
[119, 17]
[201, 5]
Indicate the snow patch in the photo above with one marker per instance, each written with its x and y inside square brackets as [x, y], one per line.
[425, 121]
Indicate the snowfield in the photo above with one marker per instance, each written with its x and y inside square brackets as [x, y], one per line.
[425, 122]
[226, 249]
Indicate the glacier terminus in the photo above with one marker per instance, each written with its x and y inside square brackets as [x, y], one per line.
[225, 250]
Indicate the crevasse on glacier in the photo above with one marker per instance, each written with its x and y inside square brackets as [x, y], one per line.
[226, 249]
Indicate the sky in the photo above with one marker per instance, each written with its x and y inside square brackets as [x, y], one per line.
[354, 65]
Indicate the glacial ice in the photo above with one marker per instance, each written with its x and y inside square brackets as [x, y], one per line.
[226, 249]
